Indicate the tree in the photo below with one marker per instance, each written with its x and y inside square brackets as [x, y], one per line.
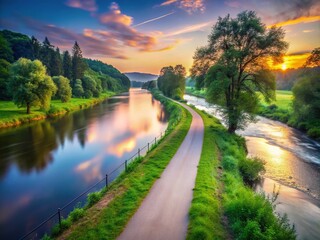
[314, 59]
[172, 81]
[46, 53]
[30, 85]
[78, 65]
[64, 91]
[5, 50]
[4, 76]
[36, 46]
[89, 87]
[78, 89]
[67, 65]
[237, 54]
[56, 63]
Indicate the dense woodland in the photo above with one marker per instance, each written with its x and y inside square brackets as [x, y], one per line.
[31, 72]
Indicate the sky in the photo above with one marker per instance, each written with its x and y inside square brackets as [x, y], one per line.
[146, 35]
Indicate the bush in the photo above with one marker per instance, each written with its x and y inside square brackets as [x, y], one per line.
[76, 214]
[229, 163]
[250, 169]
[314, 132]
[93, 198]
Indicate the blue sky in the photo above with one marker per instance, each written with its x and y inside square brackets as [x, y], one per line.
[136, 35]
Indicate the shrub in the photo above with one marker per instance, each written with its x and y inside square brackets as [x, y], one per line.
[76, 214]
[314, 132]
[93, 198]
[229, 163]
[250, 169]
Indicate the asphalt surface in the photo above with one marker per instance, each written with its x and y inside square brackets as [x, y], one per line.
[163, 214]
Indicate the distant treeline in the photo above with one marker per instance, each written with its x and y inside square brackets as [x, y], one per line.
[285, 80]
[87, 78]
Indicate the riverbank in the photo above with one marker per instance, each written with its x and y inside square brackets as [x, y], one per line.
[11, 115]
[280, 110]
[220, 192]
[108, 217]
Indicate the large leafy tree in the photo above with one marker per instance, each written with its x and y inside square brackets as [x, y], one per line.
[64, 90]
[235, 63]
[172, 81]
[30, 85]
[314, 58]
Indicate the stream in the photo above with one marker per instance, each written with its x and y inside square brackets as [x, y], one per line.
[292, 163]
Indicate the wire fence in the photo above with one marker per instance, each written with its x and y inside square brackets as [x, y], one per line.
[56, 218]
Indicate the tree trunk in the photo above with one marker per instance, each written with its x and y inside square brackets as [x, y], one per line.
[28, 108]
[232, 128]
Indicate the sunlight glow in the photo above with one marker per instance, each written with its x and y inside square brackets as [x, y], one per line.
[284, 67]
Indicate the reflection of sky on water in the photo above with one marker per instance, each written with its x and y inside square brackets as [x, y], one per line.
[291, 157]
[46, 164]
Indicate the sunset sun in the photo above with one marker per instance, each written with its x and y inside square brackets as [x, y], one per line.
[284, 67]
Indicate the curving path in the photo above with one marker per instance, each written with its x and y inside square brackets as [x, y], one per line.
[163, 214]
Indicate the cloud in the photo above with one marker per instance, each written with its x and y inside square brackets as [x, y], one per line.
[153, 19]
[187, 29]
[190, 6]
[233, 4]
[120, 27]
[304, 19]
[88, 5]
[308, 30]
[91, 45]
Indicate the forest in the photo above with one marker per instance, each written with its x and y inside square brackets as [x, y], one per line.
[32, 73]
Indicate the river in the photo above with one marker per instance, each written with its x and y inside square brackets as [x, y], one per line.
[292, 163]
[45, 164]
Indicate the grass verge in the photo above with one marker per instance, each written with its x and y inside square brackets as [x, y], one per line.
[107, 218]
[11, 115]
[206, 211]
[250, 215]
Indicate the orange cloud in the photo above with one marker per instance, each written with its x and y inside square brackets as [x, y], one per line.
[115, 16]
[304, 19]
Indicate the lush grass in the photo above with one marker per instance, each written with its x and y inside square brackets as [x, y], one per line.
[206, 211]
[250, 215]
[11, 115]
[129, 189]
[193, 91]
[283, 100]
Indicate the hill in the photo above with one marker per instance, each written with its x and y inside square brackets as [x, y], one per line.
[141, 77]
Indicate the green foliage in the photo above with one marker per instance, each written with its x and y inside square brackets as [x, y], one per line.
[20, 44]
[78, 64]
[76, 214]
[149, 85]
[64, 90]
[4, 78]
[93, 198]
[314, 59]
[235, 67]
[250, 169]
[5, 50]
[78, 89]
[56, 63]
[67, 65]
[172, 81]
[109, 70]
[30, 85]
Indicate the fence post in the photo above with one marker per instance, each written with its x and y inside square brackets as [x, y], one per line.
[138, 152]
[106, 180]
[148, 147]
[126, 165]
[59, 215]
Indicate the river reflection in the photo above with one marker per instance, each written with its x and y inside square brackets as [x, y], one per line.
[46, 164]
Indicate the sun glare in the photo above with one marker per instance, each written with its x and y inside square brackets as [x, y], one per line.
[283, 67]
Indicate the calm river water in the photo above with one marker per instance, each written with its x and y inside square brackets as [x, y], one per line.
[48, 163]
[292, 163]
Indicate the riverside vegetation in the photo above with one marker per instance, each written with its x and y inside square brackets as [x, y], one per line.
[47, 83]
[224, 204]
[114, 206]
